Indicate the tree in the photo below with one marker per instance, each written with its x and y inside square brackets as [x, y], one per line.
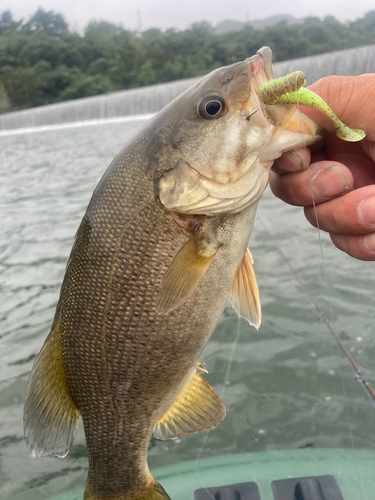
[23, 87]
[51, 23]
[7, 24]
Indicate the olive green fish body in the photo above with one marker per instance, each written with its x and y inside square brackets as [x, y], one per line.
[162, 246]
[117, 350]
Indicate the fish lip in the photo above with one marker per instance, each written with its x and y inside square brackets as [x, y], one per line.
[266, 53]
[260, 71]
[260, 66]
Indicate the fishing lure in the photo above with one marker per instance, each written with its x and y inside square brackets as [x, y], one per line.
[290, 89]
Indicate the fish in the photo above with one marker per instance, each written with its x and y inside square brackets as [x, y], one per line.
[162, 246]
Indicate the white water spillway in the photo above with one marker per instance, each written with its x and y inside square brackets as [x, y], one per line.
[151, 99]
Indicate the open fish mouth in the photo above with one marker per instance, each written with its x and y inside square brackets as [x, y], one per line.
[259, 72]
[280, 115]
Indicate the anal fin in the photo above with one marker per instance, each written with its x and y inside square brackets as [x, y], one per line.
[197, 408]
[245, 292]
[50, 416]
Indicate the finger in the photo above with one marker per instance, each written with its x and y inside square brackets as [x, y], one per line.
[354, 156]
[292, 161]
[321, 182]
[351, 214]
[369, 149]
[358, 246]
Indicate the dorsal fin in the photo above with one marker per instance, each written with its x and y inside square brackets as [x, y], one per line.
[197, 408]
[182, 276]
[50, 416]
[245, 292]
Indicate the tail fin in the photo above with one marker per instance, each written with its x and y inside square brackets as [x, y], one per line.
[154, 491]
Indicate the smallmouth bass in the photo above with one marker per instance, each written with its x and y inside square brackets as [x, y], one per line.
[162, 246]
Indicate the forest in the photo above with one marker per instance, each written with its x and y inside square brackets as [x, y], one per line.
[42, 61]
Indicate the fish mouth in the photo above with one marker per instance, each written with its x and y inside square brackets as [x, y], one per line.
[259, 72]
[280, 115]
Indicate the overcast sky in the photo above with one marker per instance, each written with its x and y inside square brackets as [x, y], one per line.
[167, 13]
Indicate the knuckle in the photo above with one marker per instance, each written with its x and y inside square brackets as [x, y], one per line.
[334, 224]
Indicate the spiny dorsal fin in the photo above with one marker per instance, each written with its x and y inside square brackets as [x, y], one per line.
[182, 276]
[197, 408]
[245, 292]
[50, 416]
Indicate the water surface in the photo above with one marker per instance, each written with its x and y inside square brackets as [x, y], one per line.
[288, 385]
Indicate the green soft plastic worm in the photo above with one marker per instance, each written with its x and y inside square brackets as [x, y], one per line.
[289, 90]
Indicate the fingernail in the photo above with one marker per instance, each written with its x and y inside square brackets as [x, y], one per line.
[369, 242]
[296, 158]
[366, 210]
[290, 161]
[330, 182]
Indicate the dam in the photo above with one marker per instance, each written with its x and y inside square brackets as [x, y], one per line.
[151, 99]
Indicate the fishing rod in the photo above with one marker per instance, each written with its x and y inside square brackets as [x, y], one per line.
[358, 374]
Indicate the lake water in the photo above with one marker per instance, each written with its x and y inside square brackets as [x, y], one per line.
[286, 386]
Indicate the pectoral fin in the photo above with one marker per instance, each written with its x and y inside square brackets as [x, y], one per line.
[245, 292]
[50, 416]
[182, 276]
[196, 409]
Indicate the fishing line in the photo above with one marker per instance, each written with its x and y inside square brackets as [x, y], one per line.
[331, 329]
[369, 391]
[231, 357]
[221, 395]
[328, 290]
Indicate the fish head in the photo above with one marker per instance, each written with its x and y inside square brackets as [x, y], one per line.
[224, 140]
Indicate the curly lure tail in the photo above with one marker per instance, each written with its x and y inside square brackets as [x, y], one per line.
[289, 90]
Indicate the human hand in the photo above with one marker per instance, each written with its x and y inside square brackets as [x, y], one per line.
[338, 176]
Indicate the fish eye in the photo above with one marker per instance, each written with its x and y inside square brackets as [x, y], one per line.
[211, 107]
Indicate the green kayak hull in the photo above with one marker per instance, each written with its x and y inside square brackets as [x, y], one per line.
[354, 471]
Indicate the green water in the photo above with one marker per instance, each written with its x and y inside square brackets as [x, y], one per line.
[288, 386]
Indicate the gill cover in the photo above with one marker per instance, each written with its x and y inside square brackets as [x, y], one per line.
[182, 189]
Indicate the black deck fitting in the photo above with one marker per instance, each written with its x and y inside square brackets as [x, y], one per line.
[307, 488]
[241, 491]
